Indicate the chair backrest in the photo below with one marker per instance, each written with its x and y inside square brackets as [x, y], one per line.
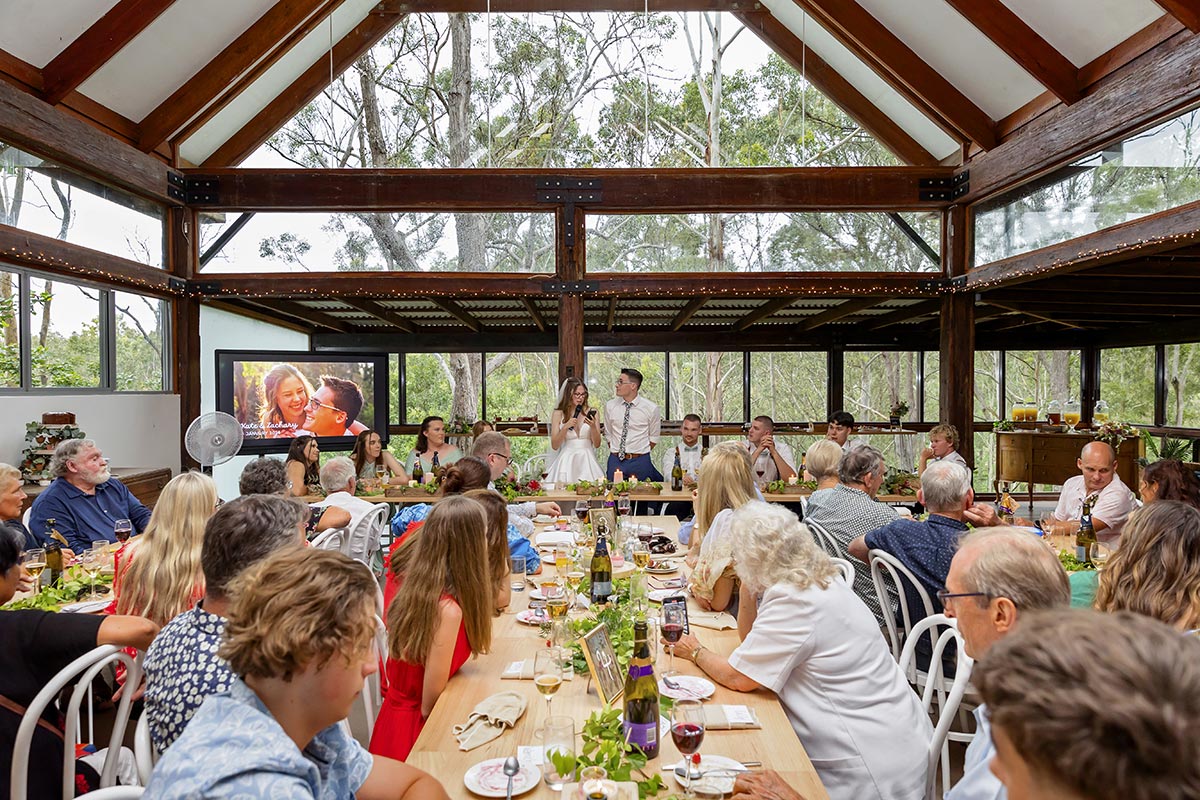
[948, 698]
[538, 462]
[887, 571]
[145, 756]
[370, 699]
[114, 793]
[82, 671]
[360, 539]
[846, 567]
[25, 517]
[824, 539]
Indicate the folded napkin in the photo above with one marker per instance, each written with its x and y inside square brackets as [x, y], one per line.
[523, 671]
[489, 719]
[727, 717]
[714, 620]
[554, 538]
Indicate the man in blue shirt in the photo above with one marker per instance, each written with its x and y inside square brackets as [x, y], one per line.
[84, 500]
[997, 577]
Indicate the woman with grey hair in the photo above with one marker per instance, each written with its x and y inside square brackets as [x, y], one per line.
[815, 644]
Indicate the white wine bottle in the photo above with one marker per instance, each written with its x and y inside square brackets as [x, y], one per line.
[641, 696]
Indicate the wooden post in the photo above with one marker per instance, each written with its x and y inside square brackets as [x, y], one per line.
[571, 266]
[1089, 381]
[182, 236]
[956, 374]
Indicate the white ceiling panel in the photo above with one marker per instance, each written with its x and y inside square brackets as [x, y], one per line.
[38, 30]
[954, 47]
[1108, 23]
[914, 122]
[229, 120]
[169, 52]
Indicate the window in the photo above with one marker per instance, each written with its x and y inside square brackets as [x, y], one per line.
[874, 382]
[987, 387]
[446, 385]
[141, 325]
[932, 383]
[521, 384]
[10, 330]
[604, 369]
[65, 332]
[1127, 383]
[1183, 401]
[984, 475]
[708, 384]
[789, 386]
[1040, 376]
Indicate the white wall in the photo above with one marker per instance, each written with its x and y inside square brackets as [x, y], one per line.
[220, 330]
[133, 430]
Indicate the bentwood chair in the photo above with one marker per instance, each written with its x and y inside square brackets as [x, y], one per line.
[144, 753]
[948, 694]
[846, 567]
[370, 700]
[82, 671]
[890, 577]
[824, 539]
[114, 793]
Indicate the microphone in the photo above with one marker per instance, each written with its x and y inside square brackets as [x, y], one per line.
[578, 409]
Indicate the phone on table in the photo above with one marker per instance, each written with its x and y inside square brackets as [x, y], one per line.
[678, 601]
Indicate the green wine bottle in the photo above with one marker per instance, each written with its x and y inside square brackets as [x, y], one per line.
[641, 696]
[601, 569]
[418, 473]
[677, 474]
[1085, 537]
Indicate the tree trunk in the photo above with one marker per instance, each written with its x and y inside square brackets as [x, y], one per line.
[470, 229]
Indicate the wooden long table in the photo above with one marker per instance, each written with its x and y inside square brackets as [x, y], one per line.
[436, 751]
[566, 500]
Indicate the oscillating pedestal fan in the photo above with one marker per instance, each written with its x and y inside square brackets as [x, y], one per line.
[213, 438]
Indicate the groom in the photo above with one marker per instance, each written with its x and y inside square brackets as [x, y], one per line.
[632, 425]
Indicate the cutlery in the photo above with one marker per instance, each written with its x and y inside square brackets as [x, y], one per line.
[511, 768]
[698, 773]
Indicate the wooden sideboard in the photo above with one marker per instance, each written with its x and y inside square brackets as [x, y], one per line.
[144, 483]
[1037, 457]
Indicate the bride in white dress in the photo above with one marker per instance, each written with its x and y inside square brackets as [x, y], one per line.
[574, 436]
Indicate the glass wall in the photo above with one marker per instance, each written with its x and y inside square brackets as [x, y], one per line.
[1040, 376]
[10, 330]
[446, 385]
[65, 332]
[708, 384]
[1127, 383]
[875, 382]
[1183, 399]
[604, 368]
[789, 386]
[142, 336]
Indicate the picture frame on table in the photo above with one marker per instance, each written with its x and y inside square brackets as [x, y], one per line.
[605, 517]
[602, 662]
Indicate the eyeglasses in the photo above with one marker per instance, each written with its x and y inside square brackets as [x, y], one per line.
[943, 595]
[314, 404]
[507, 459]
[624, 383]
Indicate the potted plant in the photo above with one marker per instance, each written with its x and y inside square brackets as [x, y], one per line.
[899, 409]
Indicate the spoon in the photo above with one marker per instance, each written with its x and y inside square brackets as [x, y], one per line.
[511, 768]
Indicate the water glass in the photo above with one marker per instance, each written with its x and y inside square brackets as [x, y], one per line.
[558, 739]
[516, 566]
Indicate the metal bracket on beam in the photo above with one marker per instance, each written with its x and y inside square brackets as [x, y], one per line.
[206, 288]
[570, 287]
[944, 189]
[178, 285]
[568, 192]
[933, 285]
[205, 191]
[176, 187]
[957, 283]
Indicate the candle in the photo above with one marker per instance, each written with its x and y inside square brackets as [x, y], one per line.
[618, 476]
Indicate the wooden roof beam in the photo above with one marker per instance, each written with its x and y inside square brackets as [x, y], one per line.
[688, 312]
[458, 312]
[307, 87]
[905, 314]
[234, 306]
[233, 69]
[534, 314]
[612, 314]
[576, 6]
[380, 313]
[94, 47]
[843, 94]
[1186, 11]
[837, 312]
[762, 312]
[1023, 45]
[903, 69]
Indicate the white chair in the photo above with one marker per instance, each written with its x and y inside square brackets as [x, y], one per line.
[370, 699]
[114, 793]
[824, 539]
[82, 671]
[887, 572]
[948, 696]
[144, 753]
[25, 517]
[847, 569]
[361, 539]
[540, 463]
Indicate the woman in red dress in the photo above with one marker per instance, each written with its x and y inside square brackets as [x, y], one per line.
[441, 615]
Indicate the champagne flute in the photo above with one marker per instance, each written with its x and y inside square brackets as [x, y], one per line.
[562, 562]
[547, 674]
[122, 529]
[672, 631]
[34, 561]
[687, 731]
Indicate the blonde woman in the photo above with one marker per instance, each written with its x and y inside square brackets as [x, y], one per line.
[725, 485]
[1156, 572]
[814, 643]
[821, 464]
[441, 616]
[160, 575]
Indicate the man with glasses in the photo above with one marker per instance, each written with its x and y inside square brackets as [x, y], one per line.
[333, 408]
[632, 424]
[996, 578]
[495, 450]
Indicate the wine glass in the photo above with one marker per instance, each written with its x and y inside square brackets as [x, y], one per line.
[687, 731]
[90, 561]
[672, 631]
[34, 561]
[562, 562]
[1100, 553]
[122, 529]
[547, 674]
[380, 473]
[624, 505]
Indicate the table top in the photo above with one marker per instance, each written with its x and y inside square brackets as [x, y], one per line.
[436, 751]
[563, 496]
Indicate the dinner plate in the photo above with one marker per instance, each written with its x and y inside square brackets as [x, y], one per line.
[487, 778]
[530, 617]
[544, 518]
[658, 595]
[691, 687]
[86, 607]
[654, 529]
[712, 784]
[661, 570]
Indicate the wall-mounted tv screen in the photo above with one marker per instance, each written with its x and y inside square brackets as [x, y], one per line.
[277, 396]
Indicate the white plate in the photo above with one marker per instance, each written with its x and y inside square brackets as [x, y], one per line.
[487, 778]
[528, 617]
[691, 687]
[661, 570]
[721, 782]
[86, 607]
[544, 518]
[658, 595]
[654, 529]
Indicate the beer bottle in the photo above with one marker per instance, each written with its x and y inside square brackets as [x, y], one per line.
[641, 696]
[1086, 536]
[418, 473]
[601, 569]
[677, 474]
